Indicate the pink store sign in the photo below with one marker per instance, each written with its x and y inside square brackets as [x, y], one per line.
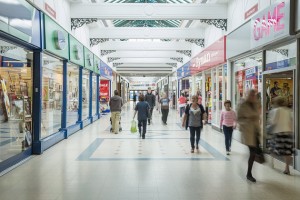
[210, 57]
[271, 24]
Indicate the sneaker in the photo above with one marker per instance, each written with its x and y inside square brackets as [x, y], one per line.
[116, 132]
[228, 153]
[192, 150]
[197, 147]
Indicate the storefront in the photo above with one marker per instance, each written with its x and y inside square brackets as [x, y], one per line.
[72, 77]
[105, 86]
[54, 60]
[209, 70]
[18, 64]
[267, 62]
[95, 88]
[184, 80]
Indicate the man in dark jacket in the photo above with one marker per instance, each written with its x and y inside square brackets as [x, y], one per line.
[150, 98]
[115, 104]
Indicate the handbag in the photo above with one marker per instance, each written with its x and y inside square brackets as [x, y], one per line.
[133, 128]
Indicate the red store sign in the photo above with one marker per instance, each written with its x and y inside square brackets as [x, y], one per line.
[210, 57]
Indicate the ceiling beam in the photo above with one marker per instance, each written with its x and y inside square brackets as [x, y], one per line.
[146, 54]
[145, 46]
[144, 65]
[145, 60]
[153, 11]
[147, 33]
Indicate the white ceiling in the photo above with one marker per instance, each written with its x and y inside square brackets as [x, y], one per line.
[147, 51]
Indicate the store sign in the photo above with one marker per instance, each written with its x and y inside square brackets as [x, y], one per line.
[104, 89]
[59, 39]
[105, 70]
[50, 10]
[281, 64]
[77, 52]
[251, 11]
[56, 38]
[271, 24]
[209, 57]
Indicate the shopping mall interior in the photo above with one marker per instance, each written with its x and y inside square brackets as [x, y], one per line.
[64, 62]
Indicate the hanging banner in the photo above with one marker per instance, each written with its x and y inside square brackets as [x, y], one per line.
[104, 89]
[210, 57]
[184, 71]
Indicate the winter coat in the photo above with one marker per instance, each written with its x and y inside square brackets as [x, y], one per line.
[248, 119]
[150, 98]
[116, 104]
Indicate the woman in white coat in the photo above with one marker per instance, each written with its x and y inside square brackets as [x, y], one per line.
[281, 127]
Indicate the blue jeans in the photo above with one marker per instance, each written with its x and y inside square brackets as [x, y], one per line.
[228, 136]
[181, 109]
[144, 124]
[194, 131]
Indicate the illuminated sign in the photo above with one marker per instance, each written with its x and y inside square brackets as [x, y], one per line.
[271, 24]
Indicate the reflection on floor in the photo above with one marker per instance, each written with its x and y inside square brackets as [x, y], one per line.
[95, 164]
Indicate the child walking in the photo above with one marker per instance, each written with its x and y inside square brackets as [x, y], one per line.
[228, 122]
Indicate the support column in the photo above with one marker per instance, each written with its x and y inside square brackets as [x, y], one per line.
[64, 96]
[193, 85]
[91, 95]
[97, 96]
[37, 102]
[203, 89]
[80, 98]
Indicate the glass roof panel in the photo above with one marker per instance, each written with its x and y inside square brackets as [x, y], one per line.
[148, 1]
[146, 23]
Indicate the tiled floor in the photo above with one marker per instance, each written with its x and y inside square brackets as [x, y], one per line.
[94, 164]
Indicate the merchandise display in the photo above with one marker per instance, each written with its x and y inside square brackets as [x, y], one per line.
[15, 100]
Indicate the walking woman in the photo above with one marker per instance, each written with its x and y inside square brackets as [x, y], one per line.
[182, 104]
[142, 108]
[281, 123]
[194, 118]
[228, 123]
[248, 118]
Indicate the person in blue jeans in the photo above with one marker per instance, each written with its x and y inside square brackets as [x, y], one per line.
[143, 109]
[194, 118]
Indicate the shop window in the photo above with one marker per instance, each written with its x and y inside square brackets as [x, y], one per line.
[248, 75]
[15, 100]
[85, 94]
[52, 88]
[72, 94]
[94, 95]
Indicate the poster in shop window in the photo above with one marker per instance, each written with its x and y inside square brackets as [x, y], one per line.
[251, 79]
[240, 75]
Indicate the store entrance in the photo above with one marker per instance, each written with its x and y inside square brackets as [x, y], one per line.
[279, 84]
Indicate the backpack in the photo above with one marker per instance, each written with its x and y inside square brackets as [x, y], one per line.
[187, 110]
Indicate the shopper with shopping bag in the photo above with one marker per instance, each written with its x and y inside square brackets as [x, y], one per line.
[143, 109]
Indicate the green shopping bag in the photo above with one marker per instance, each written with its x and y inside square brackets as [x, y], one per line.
[133, 128]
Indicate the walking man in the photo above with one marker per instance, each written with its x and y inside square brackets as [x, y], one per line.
[150, 98]
[115, 104]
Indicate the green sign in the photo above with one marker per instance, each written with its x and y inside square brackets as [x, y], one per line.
[76, 51]
[96, 64]
[56, 38]
[88, 59]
